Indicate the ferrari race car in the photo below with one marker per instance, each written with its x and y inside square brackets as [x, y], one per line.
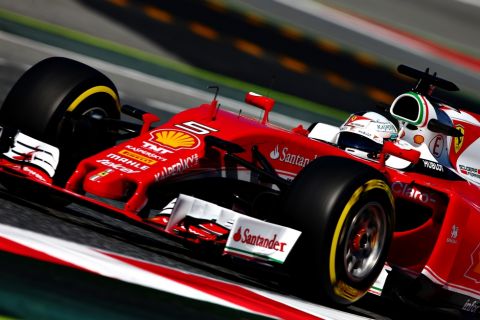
[387, 203]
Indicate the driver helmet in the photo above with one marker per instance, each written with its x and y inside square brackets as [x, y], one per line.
[364, 132]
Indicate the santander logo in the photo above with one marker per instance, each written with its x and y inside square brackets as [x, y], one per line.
[238, 235]
[257, 240]
[275, 154]
[285, 155]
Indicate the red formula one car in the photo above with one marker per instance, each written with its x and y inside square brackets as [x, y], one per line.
[333, 206]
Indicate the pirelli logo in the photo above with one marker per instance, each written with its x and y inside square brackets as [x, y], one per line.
[137, 157]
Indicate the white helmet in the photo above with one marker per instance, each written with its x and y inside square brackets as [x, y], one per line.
[366, 131]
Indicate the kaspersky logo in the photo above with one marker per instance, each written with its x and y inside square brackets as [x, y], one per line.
[250, 238]
[175, 139]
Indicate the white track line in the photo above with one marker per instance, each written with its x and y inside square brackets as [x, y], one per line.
[357, 25]
[316, 310]
[164, 106]
[141, 77]
[471, 2]
[97, 262]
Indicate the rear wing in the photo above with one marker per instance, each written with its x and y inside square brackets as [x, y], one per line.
[426, 80]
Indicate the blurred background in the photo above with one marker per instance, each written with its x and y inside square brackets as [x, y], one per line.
[321, 59]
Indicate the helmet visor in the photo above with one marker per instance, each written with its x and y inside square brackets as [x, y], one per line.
[356, 141]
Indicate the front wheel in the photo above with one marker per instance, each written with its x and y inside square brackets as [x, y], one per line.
[345, 212]
[55, 101]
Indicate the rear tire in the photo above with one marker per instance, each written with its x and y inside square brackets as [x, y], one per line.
[53, 101]
[345, 212]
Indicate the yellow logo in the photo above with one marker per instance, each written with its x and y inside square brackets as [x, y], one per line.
[137, 157]
[352, 119]
[176, 139]
[104, 173]
[345, 291]
[458, 141]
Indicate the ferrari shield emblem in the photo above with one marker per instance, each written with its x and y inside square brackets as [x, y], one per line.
[458, 141]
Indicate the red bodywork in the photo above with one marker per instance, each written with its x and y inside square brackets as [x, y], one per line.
[445, 246]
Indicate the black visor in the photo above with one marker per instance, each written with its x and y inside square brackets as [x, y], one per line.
[356, 141]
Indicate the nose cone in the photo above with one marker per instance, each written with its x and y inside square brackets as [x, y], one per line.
[107, 183]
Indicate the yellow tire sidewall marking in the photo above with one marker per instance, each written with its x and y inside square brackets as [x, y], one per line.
[92, 91]
[369, 185]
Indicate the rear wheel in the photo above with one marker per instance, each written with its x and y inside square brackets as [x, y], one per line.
[345, 212]
[56, 101]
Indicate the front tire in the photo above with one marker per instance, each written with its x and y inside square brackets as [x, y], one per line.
[53, 101]
[345, 212]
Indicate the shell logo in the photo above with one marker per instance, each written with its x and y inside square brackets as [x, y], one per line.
[175, 139]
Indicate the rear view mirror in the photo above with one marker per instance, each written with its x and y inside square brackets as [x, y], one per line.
[439, 127]
[262, 102]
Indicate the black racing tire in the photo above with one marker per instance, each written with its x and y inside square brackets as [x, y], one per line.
[345, 212]
[51, 101]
